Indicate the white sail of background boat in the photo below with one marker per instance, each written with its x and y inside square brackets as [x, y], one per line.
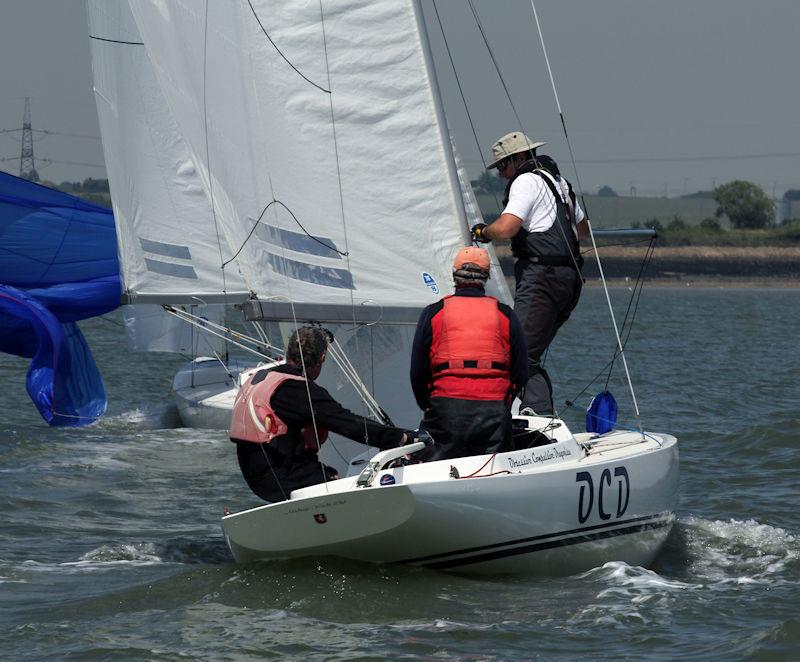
[299, 158]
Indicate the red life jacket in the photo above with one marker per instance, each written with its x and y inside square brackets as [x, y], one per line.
[470, 350]
[253, 418]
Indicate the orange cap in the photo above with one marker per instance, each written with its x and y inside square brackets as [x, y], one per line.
[478, 256]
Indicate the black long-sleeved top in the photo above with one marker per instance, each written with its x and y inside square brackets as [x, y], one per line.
[421, 374]
[291, 403]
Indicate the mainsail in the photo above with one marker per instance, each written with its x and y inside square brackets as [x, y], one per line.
[296, 155]
[319, 138]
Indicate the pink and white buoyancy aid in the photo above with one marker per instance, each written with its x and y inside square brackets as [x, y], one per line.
[253, 418]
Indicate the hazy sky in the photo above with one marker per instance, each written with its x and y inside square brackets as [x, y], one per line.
[661, 95]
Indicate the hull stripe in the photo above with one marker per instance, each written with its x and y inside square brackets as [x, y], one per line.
[542, 542]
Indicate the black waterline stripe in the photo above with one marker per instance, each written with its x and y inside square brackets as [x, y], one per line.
[545, 536]
[550, 544]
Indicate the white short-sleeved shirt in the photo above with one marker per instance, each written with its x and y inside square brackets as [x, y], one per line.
[531, 199]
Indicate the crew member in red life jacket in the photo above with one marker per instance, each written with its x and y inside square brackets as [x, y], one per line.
[273, 428]
[468, 361]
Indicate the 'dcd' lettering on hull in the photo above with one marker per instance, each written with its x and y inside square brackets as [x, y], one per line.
[606, 507]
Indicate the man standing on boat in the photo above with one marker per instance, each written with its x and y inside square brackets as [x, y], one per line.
[468, 361]
[544, 222]
[281, 417]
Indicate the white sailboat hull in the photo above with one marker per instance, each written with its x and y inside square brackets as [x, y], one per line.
[203, 390]
[560, 510]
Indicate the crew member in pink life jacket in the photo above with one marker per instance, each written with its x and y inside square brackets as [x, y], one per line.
[468, 361]
[273, 428]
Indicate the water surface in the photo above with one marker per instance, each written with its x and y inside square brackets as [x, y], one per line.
[111, 547]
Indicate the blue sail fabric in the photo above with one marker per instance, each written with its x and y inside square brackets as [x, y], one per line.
[58, 265]
[63, 380]
[601, 415]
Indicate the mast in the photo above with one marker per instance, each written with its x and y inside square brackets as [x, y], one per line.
[444, 131]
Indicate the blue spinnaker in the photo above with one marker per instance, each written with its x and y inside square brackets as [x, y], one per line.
[63, 380]
[58, 264]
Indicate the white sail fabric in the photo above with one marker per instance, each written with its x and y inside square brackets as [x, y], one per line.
[319, 138]
[150, 329]
[496, 285]
[168, 245]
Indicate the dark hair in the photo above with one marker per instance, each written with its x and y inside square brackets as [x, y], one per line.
[314, 342]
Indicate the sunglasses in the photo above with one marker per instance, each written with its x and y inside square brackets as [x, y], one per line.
[504, 163]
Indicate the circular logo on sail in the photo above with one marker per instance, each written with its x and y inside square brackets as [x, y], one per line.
[387, 479]
[430, 281]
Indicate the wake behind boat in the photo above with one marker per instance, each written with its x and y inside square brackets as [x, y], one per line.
[567, 505]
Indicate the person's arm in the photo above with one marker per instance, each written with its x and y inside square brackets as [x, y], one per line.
[420, 372]
[518, 367]
[291, 404]
[505, 227]
[527, 192]
[581, 219]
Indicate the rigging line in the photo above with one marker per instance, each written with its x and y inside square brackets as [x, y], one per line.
[463, 97]
[208, 154]
[308, 394]
[299, 224]
[275, 46]
[591, 234]
[494, 62]
[290, 298]
[637, 294]
[222, 331]
[341, 190]
[117, 41]
[460, 89]
[610, 364]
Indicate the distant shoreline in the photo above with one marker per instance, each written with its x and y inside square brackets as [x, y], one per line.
[692, 266]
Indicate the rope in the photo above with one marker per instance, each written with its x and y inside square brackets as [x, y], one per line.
[463, 97]
[635, 296]
[280, 52]
[299, 224]
[341, 196]
[116, 41]
[591, 233]
[208, 154]
[474, 474]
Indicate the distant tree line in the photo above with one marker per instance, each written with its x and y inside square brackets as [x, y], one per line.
[88, 185]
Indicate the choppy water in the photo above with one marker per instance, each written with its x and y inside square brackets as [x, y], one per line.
[110, 544]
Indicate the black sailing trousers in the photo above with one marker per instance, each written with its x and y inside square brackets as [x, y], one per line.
[461, 428]
[544, 298]
[272, 475]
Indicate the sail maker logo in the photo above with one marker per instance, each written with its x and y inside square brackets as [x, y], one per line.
[309, 246]
[159, 250]
[430, 281]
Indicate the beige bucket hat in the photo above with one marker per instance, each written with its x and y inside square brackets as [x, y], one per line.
[511, 143]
